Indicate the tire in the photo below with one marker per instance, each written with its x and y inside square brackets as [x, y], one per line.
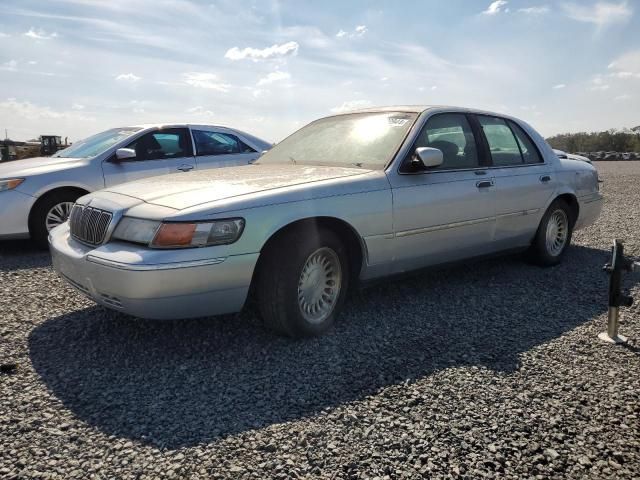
[58, 204]
[553, 236]
[288, 280]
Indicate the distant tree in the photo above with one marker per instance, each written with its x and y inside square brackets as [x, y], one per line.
[608, 141]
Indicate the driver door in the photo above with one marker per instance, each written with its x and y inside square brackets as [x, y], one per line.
[444, 213]
[159, 152]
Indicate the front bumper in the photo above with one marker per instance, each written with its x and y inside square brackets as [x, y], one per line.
[14, 214]
[167, 284]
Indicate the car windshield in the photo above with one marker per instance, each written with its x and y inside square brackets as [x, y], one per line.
[367, 140]
[96, 144]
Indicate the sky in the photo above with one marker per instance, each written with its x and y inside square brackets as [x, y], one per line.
[77, 67]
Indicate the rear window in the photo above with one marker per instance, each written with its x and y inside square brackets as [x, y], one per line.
[503, 145]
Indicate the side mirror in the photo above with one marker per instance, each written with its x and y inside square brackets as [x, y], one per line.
[426, 157]
[125, 154]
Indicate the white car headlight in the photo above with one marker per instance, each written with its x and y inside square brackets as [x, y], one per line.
[136, 230]
[200, 234]
[177, 234]
[10, 184]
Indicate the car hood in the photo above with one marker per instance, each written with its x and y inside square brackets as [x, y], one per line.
[184, 190]
[38, 165]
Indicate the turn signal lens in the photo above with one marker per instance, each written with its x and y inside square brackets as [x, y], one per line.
[174, 235]
[10, 184]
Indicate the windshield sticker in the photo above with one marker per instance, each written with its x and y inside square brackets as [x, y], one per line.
[398, 121]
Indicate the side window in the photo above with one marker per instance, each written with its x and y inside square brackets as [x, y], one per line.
[530, 153]
[503, 145]
[452, 134]
[163, 144]
[216, 143]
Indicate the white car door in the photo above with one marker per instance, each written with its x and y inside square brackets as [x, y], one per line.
[159, 152]
[216, 148]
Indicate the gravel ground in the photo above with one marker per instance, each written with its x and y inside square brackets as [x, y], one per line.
[482, 371]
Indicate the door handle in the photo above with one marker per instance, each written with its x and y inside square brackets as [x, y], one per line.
[185, 167]
[545, 178]
[484, 184]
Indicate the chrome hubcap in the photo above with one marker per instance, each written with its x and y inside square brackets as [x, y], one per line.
[557, 232]
[58, 214]
[319, 285]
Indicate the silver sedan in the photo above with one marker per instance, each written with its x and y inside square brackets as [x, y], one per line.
[36, 194]
[344, 200]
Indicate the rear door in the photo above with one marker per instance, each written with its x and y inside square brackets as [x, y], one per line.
[523, 182]
[159, 152]
[446, 213]
[215, 148]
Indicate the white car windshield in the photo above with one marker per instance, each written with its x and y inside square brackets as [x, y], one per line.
[367, 140]
[96, 144]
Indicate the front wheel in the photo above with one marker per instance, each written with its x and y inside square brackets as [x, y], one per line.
[302, 282]
[48, 213]
[554, 235]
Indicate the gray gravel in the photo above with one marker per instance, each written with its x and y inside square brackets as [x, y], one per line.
[491, 370]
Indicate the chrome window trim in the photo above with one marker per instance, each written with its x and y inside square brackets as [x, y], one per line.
[419, 124]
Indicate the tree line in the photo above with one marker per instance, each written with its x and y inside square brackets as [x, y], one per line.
[626, 140]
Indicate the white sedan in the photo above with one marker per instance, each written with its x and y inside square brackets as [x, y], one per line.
[37, 194]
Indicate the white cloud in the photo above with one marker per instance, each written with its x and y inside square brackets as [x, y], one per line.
[128, 77]
[623, 97]
[601, 14]
[10, 66]
[269, 53]
[559, 86]
[541, 10]
[351, 105]
[358, 31]
[627, 65]
[496, 7]
[205, 80]
[32, 111]
[32, 62]
[200, 111]
[273, 77]
[40, 34]
[77, 106]
[4, 35]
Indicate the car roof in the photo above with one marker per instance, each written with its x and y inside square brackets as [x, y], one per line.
[177, 124]
[421, 109]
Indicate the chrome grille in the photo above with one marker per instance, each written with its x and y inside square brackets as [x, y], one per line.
[89, 225]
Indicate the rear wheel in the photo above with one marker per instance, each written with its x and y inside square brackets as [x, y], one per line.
[51, 211]
[554, 235]
[302, 282]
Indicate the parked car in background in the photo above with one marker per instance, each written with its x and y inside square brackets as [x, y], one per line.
[37, 194]
[571, 156]
[345, 199]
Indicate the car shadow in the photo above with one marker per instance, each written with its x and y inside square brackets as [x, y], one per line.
[22, 254]
[180, 383]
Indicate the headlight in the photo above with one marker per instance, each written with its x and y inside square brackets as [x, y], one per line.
[10, 184]
[136, 230]
[201, 234]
